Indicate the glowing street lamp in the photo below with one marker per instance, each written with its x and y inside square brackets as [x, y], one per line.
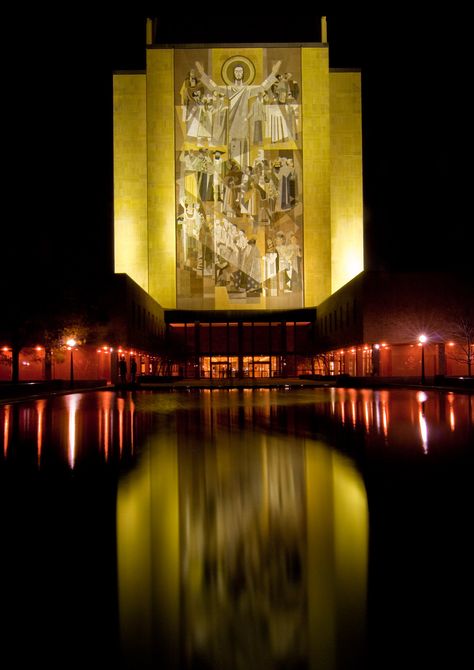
[71, 343]
[422, 339]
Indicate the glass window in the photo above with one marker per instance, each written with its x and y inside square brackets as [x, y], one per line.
[303, 337]
[190, 336]
[261, 338]
[247, 338]
[247, 366]
[290, 336]
[276, 337]
[233, 337]
[219, 338]
[204, 344]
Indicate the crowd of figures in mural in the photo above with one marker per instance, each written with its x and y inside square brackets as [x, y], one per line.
[239, 205]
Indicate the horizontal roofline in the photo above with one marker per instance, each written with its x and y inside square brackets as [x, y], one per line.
[242, 45]
[345, 69]
[129, 72]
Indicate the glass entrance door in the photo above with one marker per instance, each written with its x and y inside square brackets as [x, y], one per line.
[261, 366]
[220, 370]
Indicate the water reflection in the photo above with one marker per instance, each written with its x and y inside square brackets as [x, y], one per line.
[421, 399]
[40, 407]
[256, 546]
[106, 423]
[69, 430]
[72, 404]
[236, 525]
[6, 429]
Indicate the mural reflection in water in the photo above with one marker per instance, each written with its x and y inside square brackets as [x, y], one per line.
[241, 550]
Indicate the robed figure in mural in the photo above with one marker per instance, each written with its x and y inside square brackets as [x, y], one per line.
[239, 94]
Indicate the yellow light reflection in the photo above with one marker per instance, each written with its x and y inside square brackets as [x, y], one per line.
[421, 398]
[353, 407]
[148, 556]
[384, 397]
[377, 411]
[248, 544]
[121, 408]
[132, 424]
[105, 421]
[366, 414]
[6, 428]
[40, 405]
[332, 392]
[452, 418]
[72, 405]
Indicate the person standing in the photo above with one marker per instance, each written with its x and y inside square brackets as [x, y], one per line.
[123, 370]
[133, 370]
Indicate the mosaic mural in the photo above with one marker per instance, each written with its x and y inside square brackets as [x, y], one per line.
[238, 180]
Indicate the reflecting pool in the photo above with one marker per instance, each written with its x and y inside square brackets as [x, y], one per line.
[267, 528]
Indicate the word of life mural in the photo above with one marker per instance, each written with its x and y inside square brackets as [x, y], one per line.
[238, 176]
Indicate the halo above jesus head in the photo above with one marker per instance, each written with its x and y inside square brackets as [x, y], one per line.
[238, 68]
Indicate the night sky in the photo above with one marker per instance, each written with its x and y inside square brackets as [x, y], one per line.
[415, 111]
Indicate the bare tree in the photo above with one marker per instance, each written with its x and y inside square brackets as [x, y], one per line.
[323, 361]
[461, 331]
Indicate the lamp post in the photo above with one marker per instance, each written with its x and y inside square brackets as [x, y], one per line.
[71, 343]
[422, 339]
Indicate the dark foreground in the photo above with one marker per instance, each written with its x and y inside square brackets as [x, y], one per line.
[310, 528]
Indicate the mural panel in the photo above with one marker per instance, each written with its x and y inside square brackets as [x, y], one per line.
[238, 178]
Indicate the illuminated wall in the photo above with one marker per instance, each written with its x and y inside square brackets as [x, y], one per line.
[317, 186]
[347, 232]
[130, 177]
[244, 189]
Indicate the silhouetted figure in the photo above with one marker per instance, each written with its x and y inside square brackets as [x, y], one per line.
[123, 370]
[133, 370]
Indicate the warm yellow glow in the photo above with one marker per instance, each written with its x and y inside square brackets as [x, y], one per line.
[71, 342]
[40, 406]
[160, 117]
[148, 554]
[337, 531]
[366, 415]
[422, 339]
[72, 405]
[421, 399]
[316, 174]
[105, 414]
[121, 408]
[423, 430]
[384, 397]
[132, 424]
[6, 429]
[347, 248]
[178, 554]
[130, 177]
[452, 418]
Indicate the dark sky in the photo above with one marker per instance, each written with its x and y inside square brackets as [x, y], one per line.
[415, 85]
